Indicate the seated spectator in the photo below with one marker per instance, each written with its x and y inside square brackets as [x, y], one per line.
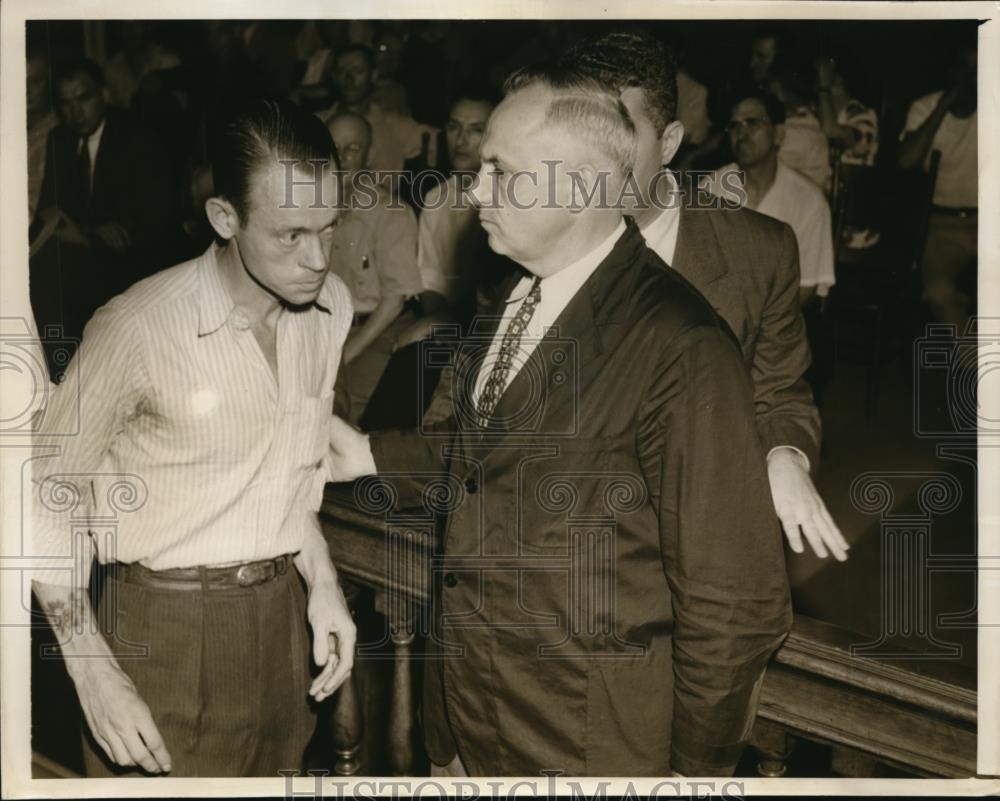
[451, 248]
[389, 93]
[41, 120]
[848, 123]
[374, 250]
[395, 138]
[138, 58]
[319, 40]
[105, 206]
[805, 147]
[771, 187]
[766, 55]
[945, 122]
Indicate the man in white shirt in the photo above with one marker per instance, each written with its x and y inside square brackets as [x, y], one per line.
[947, 122]
[771, 188]
[203, 397]
[395, 137]
[374, 251]
[602, 446]
[451, 244]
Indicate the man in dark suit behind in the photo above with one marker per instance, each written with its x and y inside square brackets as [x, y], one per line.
[744, 263]
[612, 581]
[105, 207]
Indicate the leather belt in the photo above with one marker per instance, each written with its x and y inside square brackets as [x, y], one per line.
[956, 211]
[247, 574]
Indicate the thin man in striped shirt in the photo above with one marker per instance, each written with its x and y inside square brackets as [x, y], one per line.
[206, 392]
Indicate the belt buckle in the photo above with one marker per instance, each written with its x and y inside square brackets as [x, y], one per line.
[248, 575]
[256, 573]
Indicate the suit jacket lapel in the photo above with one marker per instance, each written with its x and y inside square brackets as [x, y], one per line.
[544, 386]
[698, 255]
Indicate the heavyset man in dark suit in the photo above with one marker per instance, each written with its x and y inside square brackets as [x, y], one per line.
[744, 263]
[106, 198]
[613, 579]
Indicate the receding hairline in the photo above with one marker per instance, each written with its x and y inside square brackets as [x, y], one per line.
[351, 117]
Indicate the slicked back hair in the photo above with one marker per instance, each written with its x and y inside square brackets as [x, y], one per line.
[622, 59]
[583, 108]
[260, 133]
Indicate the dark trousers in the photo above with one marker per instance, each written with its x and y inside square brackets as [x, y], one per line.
[225, 673]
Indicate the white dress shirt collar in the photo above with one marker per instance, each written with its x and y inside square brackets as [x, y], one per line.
[660, 233]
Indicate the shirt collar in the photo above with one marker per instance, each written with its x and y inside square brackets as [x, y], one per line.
[667, 219]
[215, 304]
[570, 278]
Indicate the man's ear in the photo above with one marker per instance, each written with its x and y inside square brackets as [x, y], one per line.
[779, 134]
[574, 195]
[222, 217]
[670, 141]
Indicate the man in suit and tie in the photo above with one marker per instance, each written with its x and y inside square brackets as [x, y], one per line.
[612, 582]
[744, 263]
[107, 198]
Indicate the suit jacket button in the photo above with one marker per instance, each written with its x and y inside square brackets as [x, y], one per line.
[450, 580]
[471, 486]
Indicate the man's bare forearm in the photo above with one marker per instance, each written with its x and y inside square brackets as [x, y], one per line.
[917, 144]
[381, 318]
[71, 616]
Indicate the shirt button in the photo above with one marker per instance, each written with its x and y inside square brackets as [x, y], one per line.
[450, 580]
[471, 486]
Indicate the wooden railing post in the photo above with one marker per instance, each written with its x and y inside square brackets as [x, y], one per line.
[347, 720]
[774, 746]
[402, 718]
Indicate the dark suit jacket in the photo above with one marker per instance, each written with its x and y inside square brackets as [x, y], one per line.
[131, 183]
[747, 265]
[613, 581]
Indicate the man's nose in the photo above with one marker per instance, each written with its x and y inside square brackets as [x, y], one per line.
[482, 187]
[313, 254]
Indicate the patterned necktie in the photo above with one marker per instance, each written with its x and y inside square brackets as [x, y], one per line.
[496, 383]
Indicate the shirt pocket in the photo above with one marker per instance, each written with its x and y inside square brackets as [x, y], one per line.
[308, 428]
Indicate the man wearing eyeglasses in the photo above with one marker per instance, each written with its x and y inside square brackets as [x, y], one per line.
[755, 133]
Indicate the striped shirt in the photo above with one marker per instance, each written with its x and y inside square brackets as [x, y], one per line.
[188, 450]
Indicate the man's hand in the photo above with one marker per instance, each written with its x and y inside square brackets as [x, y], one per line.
[113, 235]
[416, 332]
[118, 717]
[334, 636]
[350, 452]
[799, 507]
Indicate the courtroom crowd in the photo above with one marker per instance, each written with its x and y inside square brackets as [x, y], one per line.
[417, 96]
[154, 187]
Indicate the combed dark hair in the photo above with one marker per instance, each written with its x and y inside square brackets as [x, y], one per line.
[357, 47]
[583, 106]
[261, 131]
[474, 91]
[773, 107]
[78, 66]
[623, 59]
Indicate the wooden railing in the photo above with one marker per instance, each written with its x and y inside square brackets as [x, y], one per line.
[871, 712]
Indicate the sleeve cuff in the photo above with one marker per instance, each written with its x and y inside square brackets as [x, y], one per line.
[792, 448]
